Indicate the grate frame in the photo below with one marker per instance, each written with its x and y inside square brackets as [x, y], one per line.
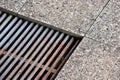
[56, 31]
[42, 23]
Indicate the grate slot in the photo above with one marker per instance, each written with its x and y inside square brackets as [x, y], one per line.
[30, 50]
[40, 55]
[5, 39]
[16, 51]
[32, 56]
[59, 48]
[15, 36]
[15, 44]
[21, 59]
[47, 54]
[8, 28]
[5, 22]
[60, 66]
[24, 50]
[0, 13]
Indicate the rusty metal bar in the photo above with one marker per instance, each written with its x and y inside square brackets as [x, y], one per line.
[29, 50]
[41, 53]
[16, 43]
[53, 56]
[1, 53]
[18, 48]
[26, 47]
[3, 17]
[38, 48]
[46, 56]
[12, 39]
[21, 59]
[8, 27]
[5, 22]
[66, 57]
[58, 58]
[11, 32]
[16, 51]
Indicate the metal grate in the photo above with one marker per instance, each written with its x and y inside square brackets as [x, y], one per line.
[29, 50]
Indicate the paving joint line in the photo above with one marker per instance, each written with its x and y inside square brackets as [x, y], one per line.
[96, 41]
[97, 17]
[90, 26]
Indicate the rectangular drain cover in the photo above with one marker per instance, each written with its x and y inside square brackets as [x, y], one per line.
[30, 50]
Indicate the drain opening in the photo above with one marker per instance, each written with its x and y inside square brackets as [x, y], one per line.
[30, 50]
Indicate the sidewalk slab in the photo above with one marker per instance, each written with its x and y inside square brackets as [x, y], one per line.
[12, 5]
[107, 27]
[92, 61]
[72, 15]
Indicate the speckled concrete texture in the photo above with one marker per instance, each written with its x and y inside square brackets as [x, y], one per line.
[71, 15]
[97, 57]
[12, 5]
[92, 61]
[107, 27]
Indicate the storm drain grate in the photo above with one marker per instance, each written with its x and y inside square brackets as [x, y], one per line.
[29, 50]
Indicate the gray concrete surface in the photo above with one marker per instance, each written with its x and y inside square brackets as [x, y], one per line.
[92, 60]
[107, 26]
[13, 5]
[72, 15]
[97, 57]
